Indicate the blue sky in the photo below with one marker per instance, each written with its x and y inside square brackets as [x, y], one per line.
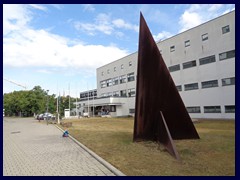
[55, 45]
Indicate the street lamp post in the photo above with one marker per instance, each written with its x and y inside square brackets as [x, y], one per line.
[47, 101]
[47, 108]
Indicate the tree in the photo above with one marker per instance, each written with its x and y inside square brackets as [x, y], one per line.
[35, 101]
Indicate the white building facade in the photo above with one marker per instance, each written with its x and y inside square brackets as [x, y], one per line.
[201, 61]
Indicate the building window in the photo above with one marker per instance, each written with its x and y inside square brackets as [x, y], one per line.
[131, 92]
[109, 94]
[115, 81]
[108, 71]
[179, 88]
[174, 68]
[187, 43]
[227, 55]
[130, 77]
[103, 84]
[95, 93]
[207, 60]
[189, 64]
[228, 81]
[116, 93]
[205, 37]
[104, 94]
[192, 86]
[122, 79]
[230, 109]
[109, 82]
[112, 108]
[172, 48]
[212, 109]
[225, 29]
[195, 109]
[122, 66]
[102, 73]
[210, 84]
[123, 93]
[131, 111]
[114, 69]
[130, 63]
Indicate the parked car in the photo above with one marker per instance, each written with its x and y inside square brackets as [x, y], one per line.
[40, 117]
[47, 116]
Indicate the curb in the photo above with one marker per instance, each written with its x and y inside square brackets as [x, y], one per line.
[98, 158]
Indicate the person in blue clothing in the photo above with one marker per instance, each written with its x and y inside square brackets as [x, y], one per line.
[65, 134]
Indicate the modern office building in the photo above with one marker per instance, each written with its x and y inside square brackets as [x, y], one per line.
[201, 61]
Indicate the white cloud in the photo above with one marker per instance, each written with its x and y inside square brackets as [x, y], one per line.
[45, 71]
[26, 47]
[104, 24]
[57, 6]
[214, 7]
[101, 25]
[39, 7]
[189, 20]
[40, 48]
[120, 23]
[162, 35]
[197, 14]
[88, 7]
[15, 17]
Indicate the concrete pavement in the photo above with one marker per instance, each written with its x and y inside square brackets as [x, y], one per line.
[31, 148]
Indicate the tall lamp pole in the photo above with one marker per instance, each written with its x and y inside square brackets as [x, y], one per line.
[47, 108]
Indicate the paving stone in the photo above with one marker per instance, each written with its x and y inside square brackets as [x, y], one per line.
[31, 148]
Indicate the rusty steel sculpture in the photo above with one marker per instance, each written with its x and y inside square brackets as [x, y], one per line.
[160, 114]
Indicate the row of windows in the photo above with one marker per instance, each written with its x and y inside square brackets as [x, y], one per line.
[115, 68]
[225, 30]
[206, 109]
[88, 94]
[211, 109]
[123, 93]
[187, 87]
[207, 84]
[202, 61]
[114, 81]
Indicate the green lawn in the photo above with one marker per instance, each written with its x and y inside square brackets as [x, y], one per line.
[111, 138]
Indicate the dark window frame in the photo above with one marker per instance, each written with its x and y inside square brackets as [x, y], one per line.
[225, 29]
[232, 81]
[229, 54]
[132, 92]
[191, 86]
[172, 48]
[179, 87]
[115, 81]
[205, 37]
[123, 94]
[194, 109]
[187, 43]
[212, 109]
[189, 64]
[207, 60]
[130, 77]
[229, 109]
[209, 84]
[122, 79]
[174, 68]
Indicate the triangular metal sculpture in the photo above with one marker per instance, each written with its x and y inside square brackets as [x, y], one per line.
[157, 98]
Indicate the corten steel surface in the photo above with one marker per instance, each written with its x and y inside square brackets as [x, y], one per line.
[157, 92]
[166, 139]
